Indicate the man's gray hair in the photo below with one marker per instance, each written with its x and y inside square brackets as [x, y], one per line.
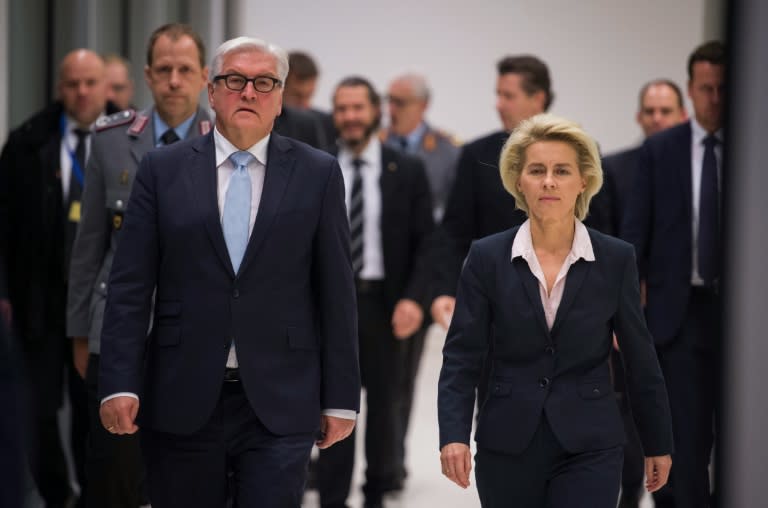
[240, 44]
[417, 82]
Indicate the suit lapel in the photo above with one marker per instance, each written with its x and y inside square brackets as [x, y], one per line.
[388, 181]
[573, 281]
[280, 166]
[531, 287]
[202, 173]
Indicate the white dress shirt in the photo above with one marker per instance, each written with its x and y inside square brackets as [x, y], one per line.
[69, 145]
[373, 254]
[697, 159]
[580, 249]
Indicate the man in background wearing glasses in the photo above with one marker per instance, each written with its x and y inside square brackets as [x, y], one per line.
[241, 237]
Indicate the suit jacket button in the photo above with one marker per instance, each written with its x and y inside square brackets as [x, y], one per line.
[550, 350]
[596, 391]
[236, 293]
[544, 382]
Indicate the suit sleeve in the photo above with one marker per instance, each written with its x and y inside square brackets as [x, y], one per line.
[421, 225]
[601, 208]
[88, 248]
[131, 284]
[335, 300]
[7, 187]
[465, 349]
[647, 390]
[456, 231]
[638, 215]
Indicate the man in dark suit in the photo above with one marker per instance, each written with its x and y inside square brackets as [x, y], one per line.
[113, 463]
[11, 423]
[242, 237]
[478, 205]
[302, 126]
[300, 87]
[41, 180]
[674, 223]
[660, 107]
[390, 216]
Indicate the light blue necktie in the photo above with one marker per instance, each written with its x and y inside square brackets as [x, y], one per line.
[237, 208]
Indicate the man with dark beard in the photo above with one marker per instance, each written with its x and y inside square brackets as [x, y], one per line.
[390, 214]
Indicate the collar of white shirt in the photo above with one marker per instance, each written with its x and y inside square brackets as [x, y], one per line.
[371, 155]
[224, 148]
[581, 248]
[698, 133]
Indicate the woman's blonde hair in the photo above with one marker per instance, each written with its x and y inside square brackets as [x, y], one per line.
[547, 127]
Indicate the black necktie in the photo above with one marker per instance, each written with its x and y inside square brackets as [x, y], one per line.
[709, 215]
[169, 137]
[82, 136]
[404, 144]
[356, 218]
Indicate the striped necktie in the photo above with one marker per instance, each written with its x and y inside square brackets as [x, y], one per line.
[356, 216]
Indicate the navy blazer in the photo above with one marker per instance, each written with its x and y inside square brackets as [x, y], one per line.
[564, 372]
[658, 222]
[290, 309]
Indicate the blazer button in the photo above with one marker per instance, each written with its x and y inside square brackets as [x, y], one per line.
[544, 382]
[236, 293]
[550, 350]
[596, 391]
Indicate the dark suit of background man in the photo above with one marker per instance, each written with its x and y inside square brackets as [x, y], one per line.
[407, 100]
[41, 180]
[175, 74]
[243, 238]
[674, 223]
[390, 214]
[300, 87]
[660, 107]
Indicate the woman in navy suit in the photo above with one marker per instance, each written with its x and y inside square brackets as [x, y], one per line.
[543, 301]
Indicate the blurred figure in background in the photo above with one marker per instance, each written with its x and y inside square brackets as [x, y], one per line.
[119, 83]
[660, 106]
[42, 172]
[673, 220]
[300, 88]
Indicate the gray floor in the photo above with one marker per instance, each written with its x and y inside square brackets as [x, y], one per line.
[426, 487]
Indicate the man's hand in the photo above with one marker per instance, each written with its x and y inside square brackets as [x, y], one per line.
[334, 429]
[442, 310]
[643, 293]
[80, 354]
[407, 318]
[456, 461]
[657, 472]
[6, 312]
[118, 415]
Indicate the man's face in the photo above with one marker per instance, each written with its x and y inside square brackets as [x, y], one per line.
[706, 92]
[406, 110]
[246, 113]
[119, 85]
[354, 115]
[175, 78]
[82, 86]
[298, 94]
[660, 109]
[513, 104]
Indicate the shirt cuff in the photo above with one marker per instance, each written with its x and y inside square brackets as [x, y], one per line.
[119, 394]
[346, 414]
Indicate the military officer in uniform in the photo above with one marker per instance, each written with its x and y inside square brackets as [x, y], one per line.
[176, 74]
[408, 99]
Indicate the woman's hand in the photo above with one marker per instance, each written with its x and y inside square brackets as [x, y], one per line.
[456, 461]
[657, 472]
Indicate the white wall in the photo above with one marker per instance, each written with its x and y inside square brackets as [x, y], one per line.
[599, 51]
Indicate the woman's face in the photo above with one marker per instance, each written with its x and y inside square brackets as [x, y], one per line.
[551, 180]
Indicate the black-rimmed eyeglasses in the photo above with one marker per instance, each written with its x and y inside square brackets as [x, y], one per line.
[238, 82]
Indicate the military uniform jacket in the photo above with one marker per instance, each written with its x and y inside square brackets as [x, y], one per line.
[120, 142]
[440, 154]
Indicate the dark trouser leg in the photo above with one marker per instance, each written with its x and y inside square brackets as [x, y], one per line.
[381, 366]
[334, 473]
[414, 347]
[690, 372]
[78, 400]
[113, 462]
[634, 463]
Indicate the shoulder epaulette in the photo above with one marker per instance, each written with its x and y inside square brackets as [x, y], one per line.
[454, 140]
[121, 118]
[383, 134]
[138, 125]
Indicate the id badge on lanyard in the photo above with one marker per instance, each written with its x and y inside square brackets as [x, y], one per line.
[77, 170]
